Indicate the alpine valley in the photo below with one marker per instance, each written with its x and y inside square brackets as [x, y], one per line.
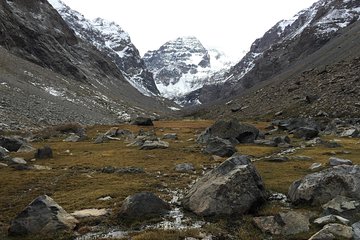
[182, 143]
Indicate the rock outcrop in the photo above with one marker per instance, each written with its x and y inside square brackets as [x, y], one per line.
[321, 187]
[143, 205]
[233, 188]
[231, 130]
[42, 217]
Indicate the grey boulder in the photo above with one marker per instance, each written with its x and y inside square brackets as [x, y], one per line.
[234, 187]
[331, 219]
[12, 144]
[333, 231]
[232, 130]
[219, 147]
[184, 167]
[72, 138]
[18, 160]
[356, 230]
[334, 161]
[150, 145]
[306, 133]
[43, 216]
[288, 223]
[143, 205]
[320, 187]
[172, 136]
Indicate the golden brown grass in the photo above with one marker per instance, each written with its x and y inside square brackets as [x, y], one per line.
[76, 182]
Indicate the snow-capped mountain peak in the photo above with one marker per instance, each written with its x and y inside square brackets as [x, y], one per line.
[111, 39]
[183, 65]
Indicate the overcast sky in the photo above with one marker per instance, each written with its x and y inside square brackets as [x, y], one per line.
[228, 25]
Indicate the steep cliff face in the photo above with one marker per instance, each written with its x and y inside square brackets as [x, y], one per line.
[113, 41]
[183, 65]
[285, 44]
[58, 77]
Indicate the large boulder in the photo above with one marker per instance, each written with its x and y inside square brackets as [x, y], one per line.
[356, 230]
[234, 187]
[232, 130]
[345, 207]
[219, 147]
[334, 161]
[143, 205]
[12, 144]
[288, 223]
[321, 187]
[306, 133]
[333, 231]
[142, 121]
[43, 216]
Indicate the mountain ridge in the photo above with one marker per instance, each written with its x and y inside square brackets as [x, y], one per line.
[112, 40]
[59, 77]
[284, 44]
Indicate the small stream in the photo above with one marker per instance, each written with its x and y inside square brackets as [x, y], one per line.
[174, 220]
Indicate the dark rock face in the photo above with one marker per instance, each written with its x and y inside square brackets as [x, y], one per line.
[24, 38]
[12, 144]
[143, 205]
[113, 41]
[235, 187]
[43, 216]
[285, 44]
[44, 153]
[232, 130]
[59, 76]
[219, 147]
[321, 187]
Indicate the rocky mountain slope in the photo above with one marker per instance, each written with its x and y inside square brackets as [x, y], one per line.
[284, 45]
[324, 84]
[60, 77]
[182, 66]
[112, 40]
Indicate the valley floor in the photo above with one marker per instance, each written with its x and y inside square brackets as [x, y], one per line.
[76, 177]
